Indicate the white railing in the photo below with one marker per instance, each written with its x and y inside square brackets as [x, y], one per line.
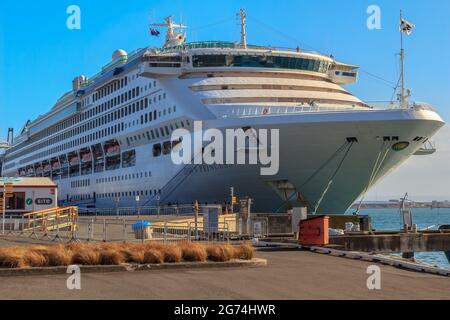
[244, 111]
[382, 105]
[253, 111]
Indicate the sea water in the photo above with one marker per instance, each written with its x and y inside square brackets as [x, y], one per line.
[390, 219]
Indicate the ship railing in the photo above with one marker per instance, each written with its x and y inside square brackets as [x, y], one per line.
[252, 111]
[131, 56]
[382, 105]
[230, 45]
[243, 111]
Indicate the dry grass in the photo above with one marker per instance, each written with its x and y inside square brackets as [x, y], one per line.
[12, 258]
[193, 252]
[35, 258]
[220, 253]
[153, 256]
[244, 252]
[171, 253]
[58, 256]
[110, 257]
[119, 253]
[84, 254]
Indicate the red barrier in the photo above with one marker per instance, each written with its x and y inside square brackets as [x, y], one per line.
[314, 231]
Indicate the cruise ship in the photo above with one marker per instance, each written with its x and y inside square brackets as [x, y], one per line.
[107, 142]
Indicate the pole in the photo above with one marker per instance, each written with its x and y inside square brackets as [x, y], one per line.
[196, 208]
[402, 62]
[232, 200]
[243, 31]
[4, 209]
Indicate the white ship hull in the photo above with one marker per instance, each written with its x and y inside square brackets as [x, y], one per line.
[307, 142]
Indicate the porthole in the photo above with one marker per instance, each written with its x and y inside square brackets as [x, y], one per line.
[399, 146]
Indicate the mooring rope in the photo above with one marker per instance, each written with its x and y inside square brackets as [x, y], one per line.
[375, 171]
[332, 178]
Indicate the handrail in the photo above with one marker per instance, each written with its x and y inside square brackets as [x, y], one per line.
[52, 219]
[46, 211]
[231, 45]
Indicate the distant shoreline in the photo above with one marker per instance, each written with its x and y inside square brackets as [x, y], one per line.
[397, 205]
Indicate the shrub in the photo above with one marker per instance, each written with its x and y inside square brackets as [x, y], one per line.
[35, 258]
[171, 253]
[193, 252]
[220, 253]
[12, 258]
[153, 256]
[109, 257]
[84, 255]
[118, 253]
[244, 252]
[58, 256]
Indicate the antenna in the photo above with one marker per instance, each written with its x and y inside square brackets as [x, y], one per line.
[403, 96]
[173, 38]
[402, 62]
[243, 15]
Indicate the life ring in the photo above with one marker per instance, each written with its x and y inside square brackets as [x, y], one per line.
[266, 111]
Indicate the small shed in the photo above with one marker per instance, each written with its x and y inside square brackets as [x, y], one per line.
[29, 194]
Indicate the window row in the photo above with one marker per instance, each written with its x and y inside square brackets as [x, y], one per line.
[81, 117]
[113, 87]
[129, 194]
[80, 183]
[125, 177]
[94, 159]
[260, 61]
[90, 125]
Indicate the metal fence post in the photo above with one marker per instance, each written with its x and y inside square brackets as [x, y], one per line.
[10, 224]
[104, 230]
[124, 230]
[165, 231]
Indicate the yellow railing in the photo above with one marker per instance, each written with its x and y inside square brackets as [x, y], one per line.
[56, 219]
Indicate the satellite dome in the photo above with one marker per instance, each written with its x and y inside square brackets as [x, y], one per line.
[119, 54]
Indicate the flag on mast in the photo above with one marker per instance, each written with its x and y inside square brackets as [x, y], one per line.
[406, 27]
[154, 32]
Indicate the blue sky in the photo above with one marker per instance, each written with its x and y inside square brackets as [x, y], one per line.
[39, 56]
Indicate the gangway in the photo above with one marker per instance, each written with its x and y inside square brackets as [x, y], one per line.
[50, 220]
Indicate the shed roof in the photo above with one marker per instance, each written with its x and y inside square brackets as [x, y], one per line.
[28, 182]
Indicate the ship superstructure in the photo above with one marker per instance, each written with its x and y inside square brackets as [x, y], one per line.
[108, 140]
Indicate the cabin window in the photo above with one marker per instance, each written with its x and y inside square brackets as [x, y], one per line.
[129, 159]
[167, 147]
[157, 150]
